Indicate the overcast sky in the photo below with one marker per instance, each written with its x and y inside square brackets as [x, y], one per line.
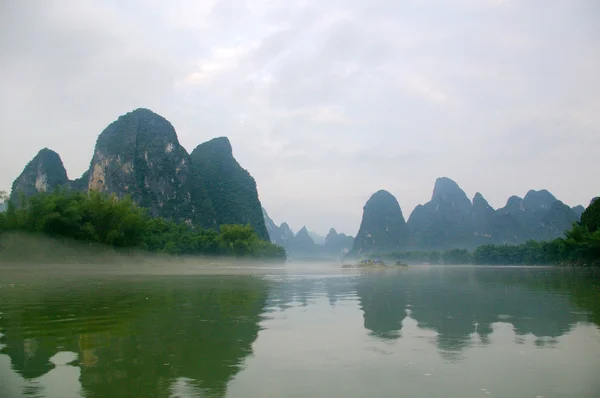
[324, 101]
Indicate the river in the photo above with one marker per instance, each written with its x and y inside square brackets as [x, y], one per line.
[300, 331]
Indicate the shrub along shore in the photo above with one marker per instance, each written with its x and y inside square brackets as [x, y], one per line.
[102, 219]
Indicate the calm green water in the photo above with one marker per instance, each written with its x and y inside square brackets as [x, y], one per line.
[419, 332]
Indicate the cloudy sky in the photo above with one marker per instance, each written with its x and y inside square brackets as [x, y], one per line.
[324, 101]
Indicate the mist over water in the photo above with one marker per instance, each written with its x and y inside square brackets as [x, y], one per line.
[239, 329]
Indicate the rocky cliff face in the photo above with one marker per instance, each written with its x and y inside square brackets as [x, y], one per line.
[338, 244]
[139, 155]
[42, 174]
[318, 239]
[579, 209]
[443, 222]
[538, 216]
[286, 233]
[508, 226]
[231, 189]
[557, 219]
[272, 228]
[382, 228]
[303, 243]
[483, 219]
[540, 200]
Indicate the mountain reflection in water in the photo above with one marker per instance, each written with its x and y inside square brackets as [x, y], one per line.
[215, 336]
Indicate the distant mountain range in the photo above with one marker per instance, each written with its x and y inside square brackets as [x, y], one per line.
[139, 155]
[303, 244]
[451, 220]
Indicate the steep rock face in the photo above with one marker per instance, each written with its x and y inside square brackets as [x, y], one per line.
[538, 216]
[42, 174]
[303, 243]
[318, 239]
[280, 235]
[272, 228]
[382, 228]
[557, 219]
[483, 220]
[538, 200]
[508, 227]
[579, 209]
[231, 189]
[337, 243]
[139, 155]
[286, 232]
[445, 221]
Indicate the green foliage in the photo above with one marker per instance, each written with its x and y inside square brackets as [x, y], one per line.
[590, 218]
[579, 247]
[100, 218]
[231, 189]
[456, 256]
[412, 257]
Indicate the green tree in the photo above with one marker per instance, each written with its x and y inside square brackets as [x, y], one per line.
[100, 218]
[590, 218]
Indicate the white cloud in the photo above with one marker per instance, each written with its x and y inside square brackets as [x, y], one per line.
[424, 89]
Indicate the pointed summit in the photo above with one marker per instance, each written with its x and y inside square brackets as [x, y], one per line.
[230, 187]
[272, 228]
[42, 174]
[540, 200]
[139, 154]
[382, 227]
[579, 209]
[303, 231]
[479, 199]
[338, 243]
[445, 186]
[303, 243]
[219, 145]
[443, 222]
[481, 206]
[483, 220]
[514, 203]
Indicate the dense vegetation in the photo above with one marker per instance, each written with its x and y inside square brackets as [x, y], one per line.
[580, 246]
[231, 189]
[99, 218]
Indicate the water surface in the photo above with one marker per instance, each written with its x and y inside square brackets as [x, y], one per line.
[302, 331]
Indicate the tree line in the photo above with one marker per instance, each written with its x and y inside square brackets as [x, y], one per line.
[100, 218]
[580, 246]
